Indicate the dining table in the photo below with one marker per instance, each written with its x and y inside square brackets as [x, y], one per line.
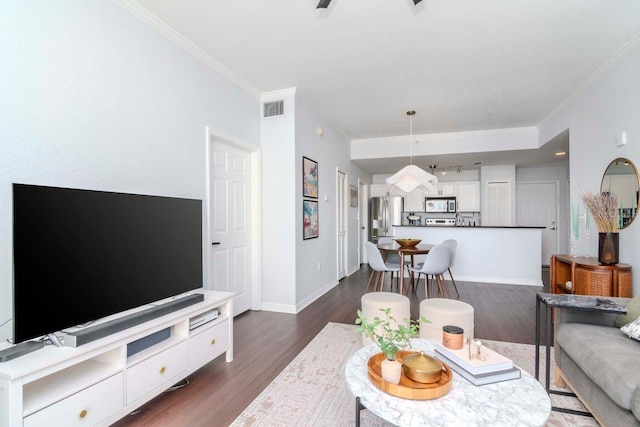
[419, 249]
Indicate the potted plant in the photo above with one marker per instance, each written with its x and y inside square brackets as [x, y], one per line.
[603, 207]
[391, 336]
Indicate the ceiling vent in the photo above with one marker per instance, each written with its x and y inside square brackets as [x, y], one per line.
[273, 108]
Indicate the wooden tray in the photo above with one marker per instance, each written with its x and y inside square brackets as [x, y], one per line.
[409, 389]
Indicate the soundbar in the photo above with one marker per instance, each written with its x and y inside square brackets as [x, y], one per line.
[20, 350]
[84, 336]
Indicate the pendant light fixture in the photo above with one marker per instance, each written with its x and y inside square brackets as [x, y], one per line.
[411, 177]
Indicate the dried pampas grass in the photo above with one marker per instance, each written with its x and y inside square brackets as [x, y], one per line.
[604, 210]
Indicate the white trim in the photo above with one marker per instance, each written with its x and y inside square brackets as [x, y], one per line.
[256, 210]
[500, 280]
[353, 270]
[314, 296]
[279, 308]
[181, 41]
[275, 95]
[603, 70]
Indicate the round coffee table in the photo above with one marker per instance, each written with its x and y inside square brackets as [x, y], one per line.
[521, 402]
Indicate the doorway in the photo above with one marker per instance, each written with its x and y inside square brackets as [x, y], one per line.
[341, 191]
[232, 254]
[537, 206]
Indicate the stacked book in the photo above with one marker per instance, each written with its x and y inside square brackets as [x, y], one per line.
[494, 368]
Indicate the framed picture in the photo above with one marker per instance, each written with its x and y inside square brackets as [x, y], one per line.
[309, 178]
[309, 219]
[353, 196]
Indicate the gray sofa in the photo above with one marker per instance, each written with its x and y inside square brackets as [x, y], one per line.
[600, 364]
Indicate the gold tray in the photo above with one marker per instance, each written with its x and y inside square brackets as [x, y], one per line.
[409, 389]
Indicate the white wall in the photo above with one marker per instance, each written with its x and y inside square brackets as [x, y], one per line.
[595, 119]
[331, 151]
[279, 212]
[92, 98]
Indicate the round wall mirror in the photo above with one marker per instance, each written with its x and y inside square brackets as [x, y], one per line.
[621, 179]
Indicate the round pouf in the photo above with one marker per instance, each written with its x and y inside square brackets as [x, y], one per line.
[443, 311]
[373, 302]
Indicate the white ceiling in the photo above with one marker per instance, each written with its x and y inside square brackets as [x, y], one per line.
[463, 65]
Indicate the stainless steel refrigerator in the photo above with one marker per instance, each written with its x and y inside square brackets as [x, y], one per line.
[384, 213]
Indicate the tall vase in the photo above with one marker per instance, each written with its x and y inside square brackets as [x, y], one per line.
[608, 248]
[391, 371]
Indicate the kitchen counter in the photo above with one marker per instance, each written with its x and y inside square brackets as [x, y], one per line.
[468, 226]
[487, 254]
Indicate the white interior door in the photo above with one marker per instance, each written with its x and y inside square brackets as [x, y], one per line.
[342, 224]
[537, 205]
[230, 223]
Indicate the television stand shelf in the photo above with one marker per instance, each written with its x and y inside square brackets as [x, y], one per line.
[97, 383]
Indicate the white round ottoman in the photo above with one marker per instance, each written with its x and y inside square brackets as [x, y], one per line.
[373, 302]
[444, 311]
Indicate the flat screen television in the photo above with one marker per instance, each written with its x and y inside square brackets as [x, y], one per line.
[80, 255]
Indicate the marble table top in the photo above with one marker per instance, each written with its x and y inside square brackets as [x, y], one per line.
[521, 402]
[584, 302]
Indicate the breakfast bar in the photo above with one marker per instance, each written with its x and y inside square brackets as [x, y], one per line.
[487, 254]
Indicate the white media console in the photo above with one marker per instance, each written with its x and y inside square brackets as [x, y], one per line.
[96, 383]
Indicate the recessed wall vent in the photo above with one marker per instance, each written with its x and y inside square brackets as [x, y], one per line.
[273, 108]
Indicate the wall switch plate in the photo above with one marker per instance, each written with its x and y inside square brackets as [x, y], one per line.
[621, 139]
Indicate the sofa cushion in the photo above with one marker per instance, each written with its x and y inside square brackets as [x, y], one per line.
[606, 355]
[632, 330]
[633, 312]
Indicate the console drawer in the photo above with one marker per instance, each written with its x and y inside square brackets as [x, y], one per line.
[155, 371]
[85, 408]
[209, 343]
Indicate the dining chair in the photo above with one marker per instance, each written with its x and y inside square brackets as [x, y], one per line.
[393, 257]
[453, 244]
[435, 264]
[379, 266]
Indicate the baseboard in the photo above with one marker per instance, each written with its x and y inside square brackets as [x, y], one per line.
[295, 309]
[499, 280]
[310, 299]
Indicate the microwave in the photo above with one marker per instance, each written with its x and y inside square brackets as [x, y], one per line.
[440, 204]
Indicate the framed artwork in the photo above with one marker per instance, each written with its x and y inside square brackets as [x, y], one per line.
[309, 178]
[309, 219]
[353, 196]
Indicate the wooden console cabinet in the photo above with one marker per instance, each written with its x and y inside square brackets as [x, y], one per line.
[589, 277]
[98, 383]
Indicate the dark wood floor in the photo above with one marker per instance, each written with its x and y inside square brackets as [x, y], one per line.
[265, 343]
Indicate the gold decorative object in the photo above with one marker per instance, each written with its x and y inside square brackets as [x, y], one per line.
[408, 243]
[409, 389]
[422, 368]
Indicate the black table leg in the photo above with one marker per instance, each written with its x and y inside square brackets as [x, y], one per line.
[537, 368]
[548, 362]
[359, 407]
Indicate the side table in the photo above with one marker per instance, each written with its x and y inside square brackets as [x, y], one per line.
[576, 302]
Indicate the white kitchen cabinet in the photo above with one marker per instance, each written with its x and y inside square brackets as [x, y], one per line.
[97, 383]
[468, 196]
[414, 201]
[447, 189]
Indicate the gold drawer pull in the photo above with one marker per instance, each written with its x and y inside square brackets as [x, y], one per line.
[83, 413]
[213, 341]
[162, 370]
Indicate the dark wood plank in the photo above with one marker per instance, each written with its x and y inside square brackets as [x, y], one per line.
[265, 343]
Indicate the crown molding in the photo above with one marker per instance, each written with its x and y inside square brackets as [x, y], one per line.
[181, 41]
[603, 70]
[277, 94]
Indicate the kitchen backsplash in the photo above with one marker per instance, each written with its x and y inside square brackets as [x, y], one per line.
[464, 218]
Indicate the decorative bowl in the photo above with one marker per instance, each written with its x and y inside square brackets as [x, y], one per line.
[422, 368]
[408, 243]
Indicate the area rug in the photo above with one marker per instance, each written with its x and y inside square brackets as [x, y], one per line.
[312, 390]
